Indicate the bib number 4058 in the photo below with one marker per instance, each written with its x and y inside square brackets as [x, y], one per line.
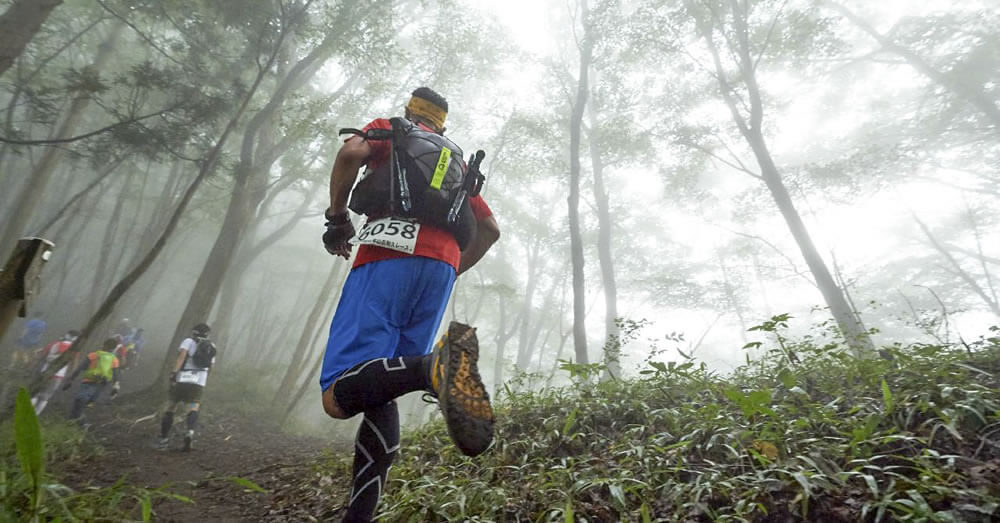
[392, 233]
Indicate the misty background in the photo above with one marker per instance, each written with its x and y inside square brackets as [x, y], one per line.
[711, 164]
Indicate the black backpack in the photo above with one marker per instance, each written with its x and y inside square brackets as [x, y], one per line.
[204, 354]
[424, 179]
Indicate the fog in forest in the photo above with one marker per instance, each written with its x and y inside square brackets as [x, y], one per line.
[667, 176]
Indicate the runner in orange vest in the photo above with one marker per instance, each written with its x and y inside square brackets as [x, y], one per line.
[99, 368]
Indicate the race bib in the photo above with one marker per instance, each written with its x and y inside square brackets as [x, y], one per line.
[188, 376]
[392, 233]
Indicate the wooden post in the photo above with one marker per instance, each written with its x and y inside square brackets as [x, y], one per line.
[19, 284]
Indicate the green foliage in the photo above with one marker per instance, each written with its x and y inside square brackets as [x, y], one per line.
[832, 438]
[28, 493]
[247, 484]
[28, 438]
[582, 372]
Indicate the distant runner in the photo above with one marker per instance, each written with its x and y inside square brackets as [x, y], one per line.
[47, 356]
[99, 369]
[195, 358]
[395, 296]
[133, 347]
[29, 340]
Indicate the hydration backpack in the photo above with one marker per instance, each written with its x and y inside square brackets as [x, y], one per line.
[204, 354]
[424, 179]
[103, 368]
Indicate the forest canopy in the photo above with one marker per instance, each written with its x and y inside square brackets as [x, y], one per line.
[675, 181]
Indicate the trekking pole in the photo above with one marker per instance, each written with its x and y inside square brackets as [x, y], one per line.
[471, 184]
[398, 178]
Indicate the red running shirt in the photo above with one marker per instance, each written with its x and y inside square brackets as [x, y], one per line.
[432, 242]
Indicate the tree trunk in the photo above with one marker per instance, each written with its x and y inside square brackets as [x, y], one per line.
[128, 246]
[751, 128]
[27, 203]
[541, 348]
[106, 246]
[257, 154]
[535, 265]
[262, 333]
[18, 26]
[206, 289]
[78, 196]
[575, 236]
[246, 256]
[731, 298]
[301, 392]
[503, 334]
[292, 373]
[612, 345]
[310, 380]
[857, 337]
[73, 232]
[563, 333]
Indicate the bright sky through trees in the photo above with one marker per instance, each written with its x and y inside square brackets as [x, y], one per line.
[817, 115]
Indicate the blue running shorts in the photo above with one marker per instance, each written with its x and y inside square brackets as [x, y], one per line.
[387, 309]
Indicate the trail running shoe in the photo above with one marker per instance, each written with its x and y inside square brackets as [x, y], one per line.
[461, 394]
[188, 439]
[163, 444]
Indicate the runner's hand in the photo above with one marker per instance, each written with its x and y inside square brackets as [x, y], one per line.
[339, 230]
[173, 377]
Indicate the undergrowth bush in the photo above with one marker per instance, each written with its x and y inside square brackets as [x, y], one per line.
[807, 432]
[28, 492]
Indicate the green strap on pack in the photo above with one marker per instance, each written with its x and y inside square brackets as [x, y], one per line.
[442, 168]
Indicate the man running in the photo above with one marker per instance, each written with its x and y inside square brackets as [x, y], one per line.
[195, 358]
[392, 304]
[29, 340]
[99, 368]
[48, 355]
[133, 346]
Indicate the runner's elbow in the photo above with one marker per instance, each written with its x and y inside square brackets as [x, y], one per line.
[489, 231]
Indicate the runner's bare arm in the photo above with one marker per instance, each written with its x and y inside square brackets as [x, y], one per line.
[350, 158]
[180, 360]
[487, 233]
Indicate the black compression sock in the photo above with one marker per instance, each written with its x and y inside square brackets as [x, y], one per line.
[192, 419]
[166, 423]
[375, 382]
[375, 448]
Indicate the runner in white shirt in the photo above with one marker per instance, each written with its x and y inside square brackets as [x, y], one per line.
[195, 358]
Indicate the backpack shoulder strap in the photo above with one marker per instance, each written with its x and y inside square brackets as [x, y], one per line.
[370, 134]
[187, 354]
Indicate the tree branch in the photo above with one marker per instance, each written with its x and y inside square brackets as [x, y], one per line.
[773, 247]
[54, 141]
[738, 165]
[139, 32]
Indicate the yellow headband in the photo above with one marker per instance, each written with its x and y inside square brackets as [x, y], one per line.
[426, 109]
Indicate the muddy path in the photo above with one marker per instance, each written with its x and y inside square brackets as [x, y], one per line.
[227, 450]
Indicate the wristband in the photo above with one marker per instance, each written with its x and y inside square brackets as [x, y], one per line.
[341, 218]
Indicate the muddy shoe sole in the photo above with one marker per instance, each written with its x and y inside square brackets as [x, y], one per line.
[463, 399]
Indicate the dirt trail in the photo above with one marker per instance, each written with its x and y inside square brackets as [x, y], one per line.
[225, 447]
